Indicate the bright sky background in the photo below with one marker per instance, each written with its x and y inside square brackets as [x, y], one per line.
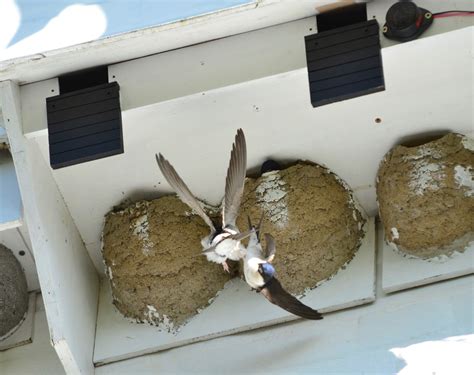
[33, 26]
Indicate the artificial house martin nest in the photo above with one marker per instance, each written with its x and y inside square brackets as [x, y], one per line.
[426, 197]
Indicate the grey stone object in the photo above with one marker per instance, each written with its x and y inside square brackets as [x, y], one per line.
[13, 293]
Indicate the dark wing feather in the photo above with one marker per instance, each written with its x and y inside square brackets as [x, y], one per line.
[235, 180]
[181, 189]
[274, 292]
[270, 249]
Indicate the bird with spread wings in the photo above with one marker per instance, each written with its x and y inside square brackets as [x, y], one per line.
[224, 239]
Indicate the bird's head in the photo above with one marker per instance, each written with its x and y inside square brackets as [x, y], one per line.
[266, 270]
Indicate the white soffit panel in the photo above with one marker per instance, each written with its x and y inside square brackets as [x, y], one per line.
[212, 65]
[402, 271]
[157, 39]
[198, 29]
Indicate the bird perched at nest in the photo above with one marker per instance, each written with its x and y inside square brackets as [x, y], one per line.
[260, 275]
[223, 242]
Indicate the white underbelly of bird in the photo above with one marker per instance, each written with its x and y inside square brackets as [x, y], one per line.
[252, 277]
[225, 249]
[260, 275]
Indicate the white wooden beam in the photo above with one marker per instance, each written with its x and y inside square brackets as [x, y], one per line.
[138, 43]
[33, 103]
[202, 28]
[207, 66]
[67, 276]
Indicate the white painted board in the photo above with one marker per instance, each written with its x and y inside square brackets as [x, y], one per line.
[24, 334]
[34, 110]
[195, 132]
[235, 309]
[69, 282]
[400, 271]
[25, 235]
[208, 66]
[152, 40]
[418, 332]
[10, 199]
[14, 240]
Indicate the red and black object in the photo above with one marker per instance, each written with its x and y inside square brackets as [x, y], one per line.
[406, 21]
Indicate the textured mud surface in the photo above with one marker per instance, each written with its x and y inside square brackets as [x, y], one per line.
[152, 254]
[426, 196]
[152, 249]
[13, 292]
[313, 218]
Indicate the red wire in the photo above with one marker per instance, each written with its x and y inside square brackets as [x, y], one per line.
[419, 21]
[452, 14]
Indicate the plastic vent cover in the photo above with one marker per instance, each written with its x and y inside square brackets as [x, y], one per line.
[344, 63]
[84, 125]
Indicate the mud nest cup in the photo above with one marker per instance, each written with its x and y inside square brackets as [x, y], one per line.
[13, 293]
[152, 253]
[426, 196]
[313, 218]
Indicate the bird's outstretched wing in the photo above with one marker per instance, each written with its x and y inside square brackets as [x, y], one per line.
[274, 292]
[235, 180]
[181, 189]
[270, 249]
[236, 237]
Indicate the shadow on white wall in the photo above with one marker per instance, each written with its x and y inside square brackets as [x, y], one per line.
[452, 355]
[75, 24]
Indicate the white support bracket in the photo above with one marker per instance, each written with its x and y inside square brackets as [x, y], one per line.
[67, 276]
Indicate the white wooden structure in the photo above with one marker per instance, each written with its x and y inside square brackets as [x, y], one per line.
[242, 67]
